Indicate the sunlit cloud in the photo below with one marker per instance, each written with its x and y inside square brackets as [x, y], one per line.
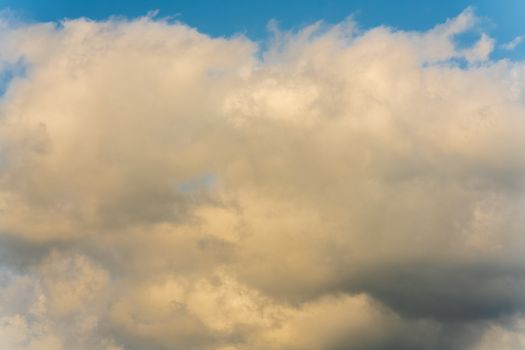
[340, 188]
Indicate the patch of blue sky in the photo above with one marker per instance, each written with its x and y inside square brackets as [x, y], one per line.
[453, 63]
[197, 184]
[10, 71]
[466, 39]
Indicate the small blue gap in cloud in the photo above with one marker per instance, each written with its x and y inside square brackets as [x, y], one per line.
[9, 71]
[466, 40]
[458, 62]
[454, 62]
[201, 183]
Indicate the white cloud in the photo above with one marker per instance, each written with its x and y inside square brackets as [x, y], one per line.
[343, 188]
[481, 50]
[511, 45]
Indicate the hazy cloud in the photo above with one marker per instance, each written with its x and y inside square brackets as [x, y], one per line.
[511, 45]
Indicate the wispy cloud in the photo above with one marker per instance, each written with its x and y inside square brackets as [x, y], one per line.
[511, 45]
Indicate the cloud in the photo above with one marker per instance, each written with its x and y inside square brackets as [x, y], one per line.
[507, 336]
[481, 50]
[163, 189]
[511, 45]
[56, 306]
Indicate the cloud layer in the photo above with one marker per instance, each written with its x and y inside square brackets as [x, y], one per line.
[162, 189]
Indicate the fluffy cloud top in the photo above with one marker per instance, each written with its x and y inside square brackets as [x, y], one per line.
[162, 189]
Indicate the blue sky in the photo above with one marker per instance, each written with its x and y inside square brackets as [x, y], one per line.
[501, 19]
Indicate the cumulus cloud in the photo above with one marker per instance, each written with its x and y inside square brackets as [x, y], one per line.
[55, 306]
[163, 189]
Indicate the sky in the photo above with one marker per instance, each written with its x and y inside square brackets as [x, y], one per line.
[314, 175]
[502, 19]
